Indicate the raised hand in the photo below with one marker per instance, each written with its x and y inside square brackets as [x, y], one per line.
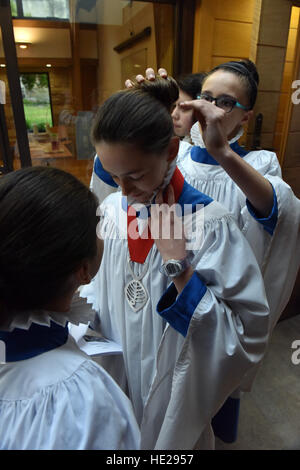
[149, 75]
[213, 125]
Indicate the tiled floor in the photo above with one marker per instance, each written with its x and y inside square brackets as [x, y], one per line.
[270, 414]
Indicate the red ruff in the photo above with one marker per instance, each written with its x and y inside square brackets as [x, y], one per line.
[140, 247]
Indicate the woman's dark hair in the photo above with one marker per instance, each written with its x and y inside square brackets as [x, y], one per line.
[247, 71]
[138, 115]
[191, 84]
[47, 228]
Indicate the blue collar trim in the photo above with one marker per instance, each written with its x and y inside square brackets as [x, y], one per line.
[193, 197]
[188, 200]
[102, 174]
[24, 344]
[201, 155]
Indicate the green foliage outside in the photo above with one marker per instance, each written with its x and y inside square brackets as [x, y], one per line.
[36, 100]
[38, 114]
[14, 10]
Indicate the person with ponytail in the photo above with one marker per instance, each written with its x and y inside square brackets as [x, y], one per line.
[248, 183]
[191, 322]
[52, 395]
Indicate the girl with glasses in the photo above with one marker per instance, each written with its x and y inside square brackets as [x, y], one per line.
[181, 309]
[247, 183]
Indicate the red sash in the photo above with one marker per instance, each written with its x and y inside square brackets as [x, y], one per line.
[139, 246]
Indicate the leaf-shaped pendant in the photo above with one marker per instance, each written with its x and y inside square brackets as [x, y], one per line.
[136, 295]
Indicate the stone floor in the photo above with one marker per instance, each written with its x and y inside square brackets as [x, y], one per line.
[270, 414]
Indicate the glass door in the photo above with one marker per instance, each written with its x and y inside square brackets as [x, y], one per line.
[72, 55]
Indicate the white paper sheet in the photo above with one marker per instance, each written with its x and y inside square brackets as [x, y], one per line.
[91, 342]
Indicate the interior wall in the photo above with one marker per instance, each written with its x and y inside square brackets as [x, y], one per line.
[222, 32]
[287, 81]
[109, 36]
[271, 23]
[290, 148]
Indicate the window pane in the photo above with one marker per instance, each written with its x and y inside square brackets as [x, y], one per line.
[46, 8]
[36, 100]
[83, 68]
[13, 4]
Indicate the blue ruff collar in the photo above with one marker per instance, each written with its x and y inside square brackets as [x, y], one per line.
[24, 344]
[102, 174]
[201, 155]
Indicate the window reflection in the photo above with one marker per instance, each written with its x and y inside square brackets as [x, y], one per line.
[40, 9]
[75, 45]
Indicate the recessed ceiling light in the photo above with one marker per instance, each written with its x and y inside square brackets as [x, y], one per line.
[23, 44]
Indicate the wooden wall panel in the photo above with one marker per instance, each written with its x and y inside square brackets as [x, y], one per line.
[275, 21]
[234, 10]
[286, 83]
[231, 38]
[222, 31]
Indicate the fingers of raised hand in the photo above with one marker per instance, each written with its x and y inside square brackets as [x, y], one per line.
[163, 73]
[149, 75]
[128, 83]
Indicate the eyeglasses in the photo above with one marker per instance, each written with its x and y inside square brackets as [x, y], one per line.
[223, 102]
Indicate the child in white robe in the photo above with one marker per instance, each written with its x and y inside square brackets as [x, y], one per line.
[226, 174]
[187, 344]
[266, 208]
[274, 236]
[52, 395]
[183, 119]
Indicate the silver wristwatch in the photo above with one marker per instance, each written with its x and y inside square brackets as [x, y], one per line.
[174, 267]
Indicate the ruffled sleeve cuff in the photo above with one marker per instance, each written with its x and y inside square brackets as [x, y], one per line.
[269, 223]
[178, 309]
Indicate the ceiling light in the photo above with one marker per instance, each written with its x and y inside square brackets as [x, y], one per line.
[23, 44]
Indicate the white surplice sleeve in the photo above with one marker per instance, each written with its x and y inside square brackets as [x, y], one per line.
[222, 316]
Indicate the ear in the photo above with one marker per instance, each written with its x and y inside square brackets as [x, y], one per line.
[173, 148]
[247, 117]
[82, 273]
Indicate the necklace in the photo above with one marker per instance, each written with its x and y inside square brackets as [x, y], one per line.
[135, 292]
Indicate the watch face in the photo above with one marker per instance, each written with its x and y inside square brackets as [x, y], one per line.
[173, 268]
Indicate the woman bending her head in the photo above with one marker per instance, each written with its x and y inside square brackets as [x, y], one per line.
[191, 323]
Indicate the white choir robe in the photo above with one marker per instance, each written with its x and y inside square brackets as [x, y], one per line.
[62, 400]
[184, 354]
[277, 247]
